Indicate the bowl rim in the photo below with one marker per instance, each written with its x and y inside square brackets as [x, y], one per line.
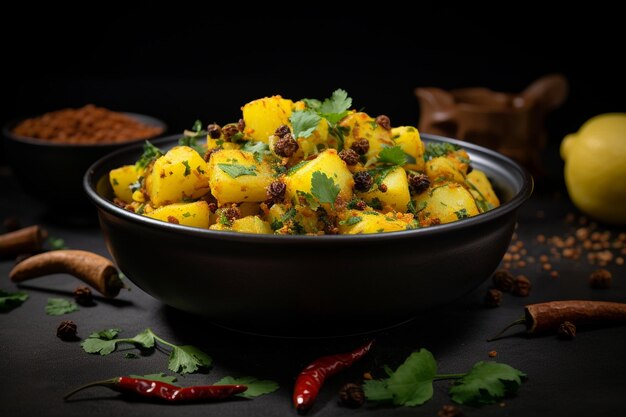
[144, 118]
[515, 202]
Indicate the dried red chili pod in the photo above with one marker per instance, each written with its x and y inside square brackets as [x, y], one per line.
[311, 378]
[162, 391]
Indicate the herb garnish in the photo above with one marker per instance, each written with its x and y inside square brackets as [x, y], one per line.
[236, 170]
[393, 155]
[191, 137]
[255, 386]
[259, 149]
[56, 243]
[150, 153]
[333, 109]
[9, 301]
[60, 306]
[324, 188]
[434, 150]
[187, 168]
[304, 123]
[412, 383]
[462, 214]
[351, 221]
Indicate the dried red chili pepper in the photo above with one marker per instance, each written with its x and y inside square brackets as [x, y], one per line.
[545, 317]
[163, 391]
[311, 378]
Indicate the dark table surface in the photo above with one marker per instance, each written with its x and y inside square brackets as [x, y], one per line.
[581, 377]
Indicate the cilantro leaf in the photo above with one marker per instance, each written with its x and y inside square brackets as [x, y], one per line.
[187, 359]
[312, 103]
[105, 341]
[60, 306]
[336, 107]
[150, 153]
[9, 301]
[187, 168]
[412, 383]
[376, 390]
[197, 126]
[304, 123]
[145, 339]
[309, 199]
[236, 170]
[160, 377]
[255, 386]
[296, 167]
[393, 155]
[258, 149]
[486, 383]
[192, 142]
[56, 243]
[462, 214]
[434, 150]
[351, 220]
[324, 188]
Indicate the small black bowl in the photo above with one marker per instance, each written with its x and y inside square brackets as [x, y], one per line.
[52, 172]
[310, 285]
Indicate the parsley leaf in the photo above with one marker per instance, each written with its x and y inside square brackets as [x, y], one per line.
[434, 150]
[486, 383]
[259, 149]
[351, 220]
[150, 153]
[9, 301]
[393, 155]
[187, 359]
[304, 123]
[60, 306]
[255, 386]
[412, 383]
[336, 107]
[324, 188]
[236, 170]
[187, 168]
[160, 377]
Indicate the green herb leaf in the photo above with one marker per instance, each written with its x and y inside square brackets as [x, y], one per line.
[336, 107]
[258, 149]
[145, 339]
[56, 243]
[150, 153]
[434, 150]
[304, 123]
[137, 184]
[376, 204]
[236, 170]
[187, 359]
[376, 390]
[105, 341]
[192, 142]
[312, 103]
[9, 301]
[60, 306]
[309, 199]
[486, 383]
[412, 383]
[197, 126]
[324, 188]
[160, 377]
[393, 155]
[255, 386]
[296, 167]
[462, 214]
[351, 221]
[187, 168]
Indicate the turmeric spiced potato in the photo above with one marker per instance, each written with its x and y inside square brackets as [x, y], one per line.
[305, 167]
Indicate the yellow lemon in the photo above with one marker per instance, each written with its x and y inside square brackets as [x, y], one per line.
[595, 167]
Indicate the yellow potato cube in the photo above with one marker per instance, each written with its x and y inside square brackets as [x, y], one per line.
[236, 176]
[364, 222]
[408, 138]
[362, 126]
[442, 168]
[188, 214]
[327, 170]
[396, 197]
[178, 175]
[481, 189]
[265, 115]
[121, 180]
[445, 203]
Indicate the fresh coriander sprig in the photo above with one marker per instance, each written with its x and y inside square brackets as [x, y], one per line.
[256, 387]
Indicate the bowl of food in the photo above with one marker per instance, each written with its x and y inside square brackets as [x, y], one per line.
[305, 219]
[50, 153]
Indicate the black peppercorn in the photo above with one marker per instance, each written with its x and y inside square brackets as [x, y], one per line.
[521, 286]
[276, 191]
[282, 131]
[349, 156]
[493, 298]
[67, 330]
[567, 330]
[361, 146]
[418, 183]
[351, 395]
[503, 280]
[214, 130]
[384, 122]
[286, 146]
[363, 181]
[83, 296]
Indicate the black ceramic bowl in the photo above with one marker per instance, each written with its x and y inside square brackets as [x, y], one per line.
[52, 172]
[310, 285]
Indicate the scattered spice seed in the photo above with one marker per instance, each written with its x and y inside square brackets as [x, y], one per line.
[367, 376]
[541, 238]
[493, 298]
[450, 411]
[363, 181]
[349, 156]
[282, 130]
[351, 395]
[567, 330]
[286, 146]
[361, 146]
[503, 280]
[600, 279]
[554, 274]
[521, 286]
[543, 259]
[214, 130]
[83, 296]
[382, 188]
[67, 330]
[493, 354]
[547, 267]
[619, 260]
[384, 122]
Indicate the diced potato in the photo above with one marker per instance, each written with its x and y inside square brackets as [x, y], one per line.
[290, 220]
[122, 178]
[363, 222]
[265, 115]
[442, 168]
[194, 214]
[397, 196]
[329, 164]
[235, 177]
[460, 159]
[408, 138]
[481, 188]
[179, 174]
[219, 142]
[249, 209]
[362, 126]
[445, 203]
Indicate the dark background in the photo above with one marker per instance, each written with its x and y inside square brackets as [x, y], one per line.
[185, 64]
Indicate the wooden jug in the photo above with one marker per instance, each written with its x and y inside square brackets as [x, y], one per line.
[512, 124]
